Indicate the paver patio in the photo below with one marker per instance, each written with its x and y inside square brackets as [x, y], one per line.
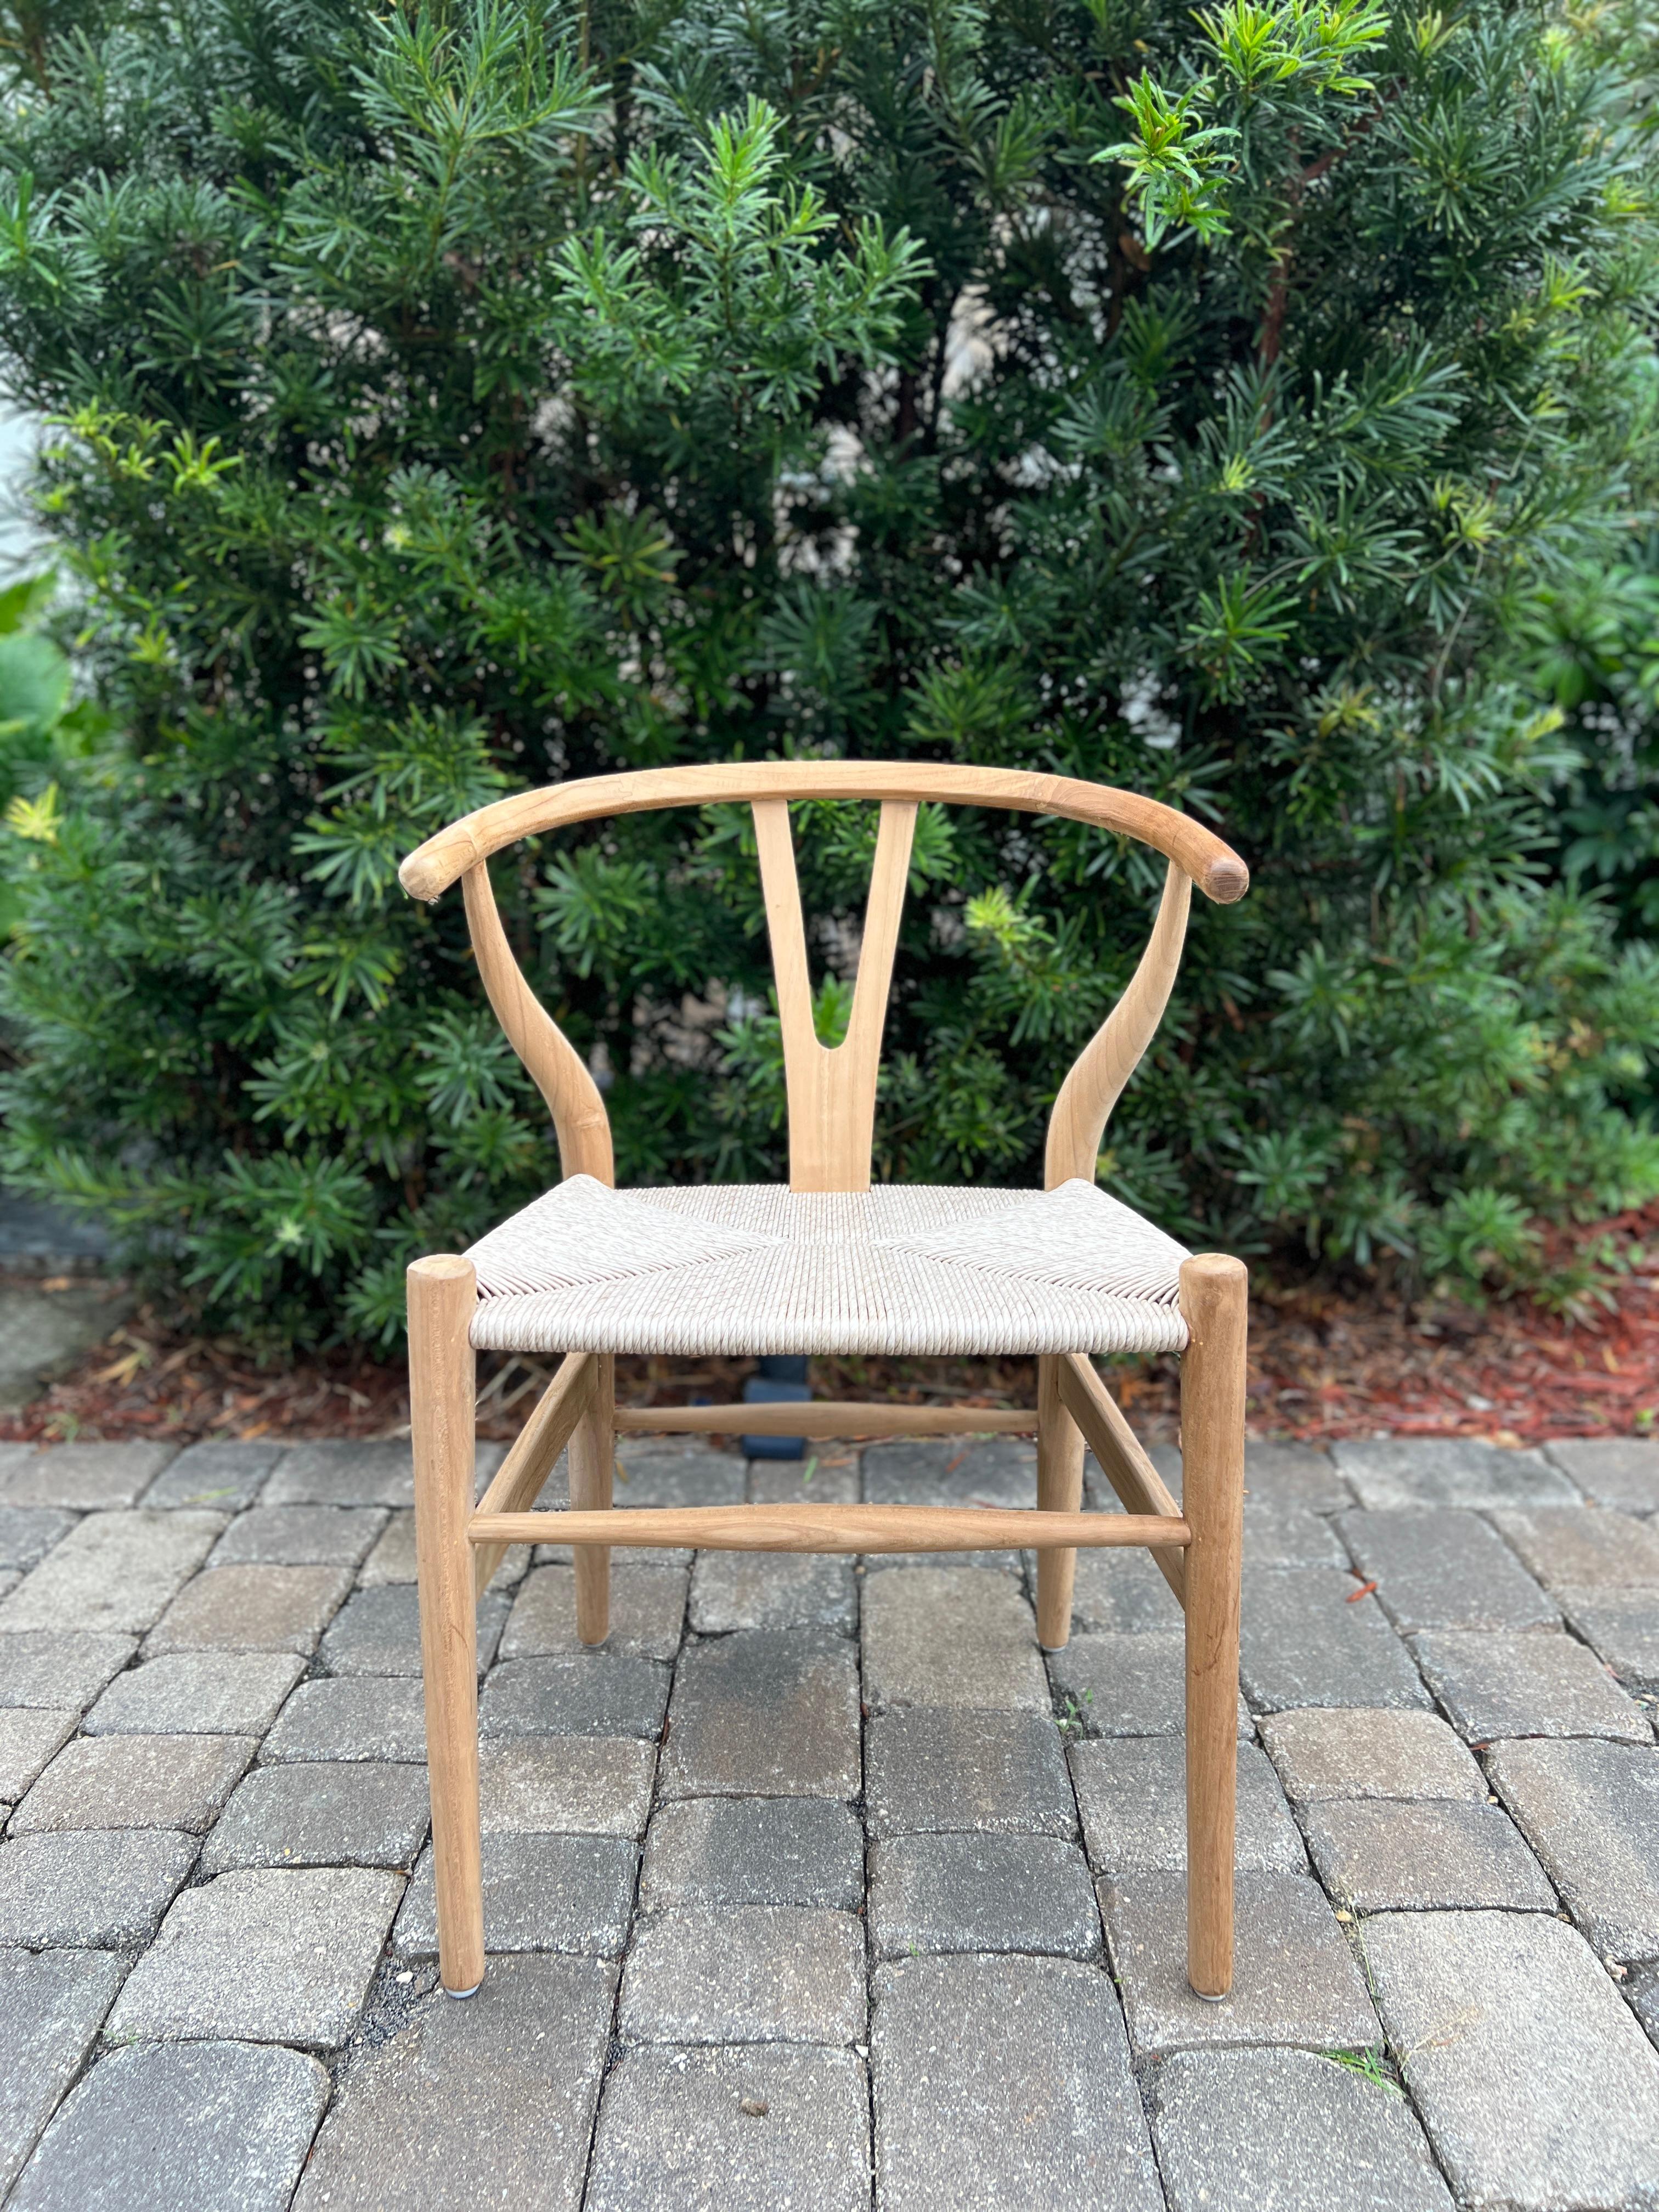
[824, 1890]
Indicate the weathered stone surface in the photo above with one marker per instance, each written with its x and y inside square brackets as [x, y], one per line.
[276, 1955]
[487, 2103]
[1005, 2082]
[380, 1719]
[566, 1785]
[962, 1637]
[1499, 1686]
[43, 1333]
[393, 1559]
[300, 1536]
[1295, 1473]
[1241, 2130]
[198, 1693]
[1126, 1685]
[58, 1667]
[1376, 1855]
[378, 1631]
[750, 1973]
[540, 1894]
[50, 2005]
[951, 1471]
[84, 1478]
[979, 1892]
[1307, 1639]
[996, 1773]
[826, 1476]
[250, 1609]
[1132, 1791]
[135, 1781]
[345, 1472]
[765, 1713]
[99, 1889]
[1537, 2088]
[1591, 1812]
[1585, 1547]
[647, 1614]
[1622, 1472]
[583, 1694]
[224, 1478]
[753, 1850]
[1280, 1532]
[1294, 1979]
[197, 2125]
[1387, 1471]
[1443, 1568]
[1122, 1592]
[1621, 1627]
[28, 1533]
[771, 1589]
[1367, 1753]
[760, 2128]
[1642, 1992]
[29, 1736]
[650, 1473]
[114, 1570]
[354, 1813]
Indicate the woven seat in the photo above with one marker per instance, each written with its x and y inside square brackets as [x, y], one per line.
[900, 1269]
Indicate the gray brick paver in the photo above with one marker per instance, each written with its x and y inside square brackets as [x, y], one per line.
[115, 1570]
[1621, 1627]
[1591, 1812]
[942, 1636]
[51, 2005]
[1310, 1636]
[1448, 1471]
[1622, 1472]
[1326, 1752]
[1495, 1686]
[996, 1772]
[84, 1478]
[378, 1631]
[566, 1785]
[1131, 1792]
[751, 1973]
[1443, 1567]
[1126, 1685]
[59, 1667]
[198, 1693]
[546, 1893]
[370, 1718]
[222, 1477]
[753, 1850]
[28, 1533]
[360, 1813]
[251, 1608]
[29, 1735]
[647, 1614]
[1377, 1855]
[94, 1888]
[981, 1893]
[764, 1713]
[135, 1781]
[1584, 1546]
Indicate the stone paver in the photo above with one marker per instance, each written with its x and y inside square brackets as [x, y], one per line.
[942, 1636]
[1297, 1474]
[223, 1477]
[378, 1631]
[51, 2005]
[772, 1589]
[583, 1694]
[1591, 1812]
[29, 1735]
[647, 1614]
[1131, 1792]
[198, 1693]
[59, 1667]
[1376, 1855]
[754, 1850]
[345, 1474]
[392, 1558]
[486, 2103]
[764, 1713]
[135, 1781]
[540, 1894]
[1448, 1471]
[270, 1955]
[298, 1536]
[1585, 1547]
[114, 1570]
[763, 2128]
[982, 1893]
[1005, 2082]
[1536, 2085]
[84, 1478]
[1111, 1684]
[383, 1718]
[224, 2124]
[1445, 1569]
[28, 1533]
[1621, 1627]
[993, 1772]
[1334, 1753]
[566, 1785]
[1294, 1978]
[1502, 1686]
[1121, 1591]
[250, 1609]
[1622, 1472]
[1241, 2130]
[356, 1813]
[1309, 1636]
[96, 1888]
[751, 1973]
[1281, 1533]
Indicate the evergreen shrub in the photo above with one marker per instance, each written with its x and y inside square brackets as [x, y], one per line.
[1255, 408]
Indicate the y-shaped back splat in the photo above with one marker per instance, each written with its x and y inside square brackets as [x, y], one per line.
[832, 1092]
[1105, 1064]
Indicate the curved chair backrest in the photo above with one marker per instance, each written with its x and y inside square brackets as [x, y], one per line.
[831, 1092]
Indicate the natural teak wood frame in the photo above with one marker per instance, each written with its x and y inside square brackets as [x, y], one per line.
[832, 1097]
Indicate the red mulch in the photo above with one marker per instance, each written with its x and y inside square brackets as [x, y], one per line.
[1322, 1366]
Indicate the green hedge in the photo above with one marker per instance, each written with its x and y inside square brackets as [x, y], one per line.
[1248, 409]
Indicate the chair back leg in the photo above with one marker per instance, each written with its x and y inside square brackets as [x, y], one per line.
[442, 1294]
[592, 1460]
[1215, 1301]
[1060, 1490]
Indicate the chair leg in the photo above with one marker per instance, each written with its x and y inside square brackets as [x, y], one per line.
[1060, 1490]
[1215, 1301]
[592, 1458]
[442, 1294]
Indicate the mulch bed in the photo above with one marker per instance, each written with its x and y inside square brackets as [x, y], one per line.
[1322, 1366]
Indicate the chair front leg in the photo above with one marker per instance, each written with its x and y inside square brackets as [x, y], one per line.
[1214, 1302]
[592, 1460]
[1060, 1490]
[442, 1295]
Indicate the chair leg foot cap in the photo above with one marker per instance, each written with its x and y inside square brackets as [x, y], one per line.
[1211, 1997]
[460, 1995]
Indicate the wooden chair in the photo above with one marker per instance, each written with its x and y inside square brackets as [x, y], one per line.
[828, 1265]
